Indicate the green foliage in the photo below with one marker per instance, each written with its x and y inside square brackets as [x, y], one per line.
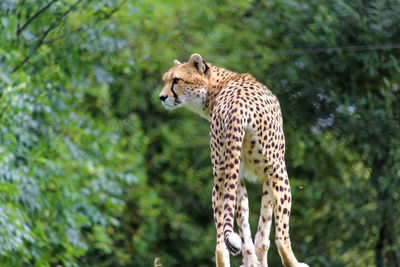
[93, 171]
[66, 162]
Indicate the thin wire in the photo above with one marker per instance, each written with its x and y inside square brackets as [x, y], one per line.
[342, 49]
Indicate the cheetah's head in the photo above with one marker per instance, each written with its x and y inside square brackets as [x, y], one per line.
[186, 84]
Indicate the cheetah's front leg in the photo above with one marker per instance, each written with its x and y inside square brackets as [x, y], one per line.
[264, 225]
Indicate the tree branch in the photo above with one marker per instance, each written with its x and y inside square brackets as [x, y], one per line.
[41, 40]
[115, 9]
[19, 30]
[99, 18]
[18, 19]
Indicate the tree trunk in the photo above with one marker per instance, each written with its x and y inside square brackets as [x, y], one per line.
[379, 248]
[387, 233]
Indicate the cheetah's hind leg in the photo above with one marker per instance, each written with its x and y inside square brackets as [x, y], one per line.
[242, 213]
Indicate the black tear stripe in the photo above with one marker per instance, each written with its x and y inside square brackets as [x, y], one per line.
[206, 68]
[175, 95]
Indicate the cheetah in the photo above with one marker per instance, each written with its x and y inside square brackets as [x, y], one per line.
[246, 140]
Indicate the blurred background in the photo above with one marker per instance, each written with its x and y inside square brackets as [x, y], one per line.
[94, 172]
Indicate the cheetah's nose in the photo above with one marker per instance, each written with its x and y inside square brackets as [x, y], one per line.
[163, 97]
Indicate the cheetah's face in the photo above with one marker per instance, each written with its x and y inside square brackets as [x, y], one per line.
[185, 84]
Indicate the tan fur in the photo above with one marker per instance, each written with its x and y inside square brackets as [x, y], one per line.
[246, 139]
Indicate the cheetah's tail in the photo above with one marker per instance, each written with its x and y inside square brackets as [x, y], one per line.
[233, 243]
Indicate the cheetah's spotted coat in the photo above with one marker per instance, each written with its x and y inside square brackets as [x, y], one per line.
[247, 140]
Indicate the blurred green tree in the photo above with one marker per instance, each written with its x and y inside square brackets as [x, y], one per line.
[95, 172]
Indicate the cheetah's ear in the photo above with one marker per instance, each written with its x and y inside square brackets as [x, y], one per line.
[198, 62]
[176, 62]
